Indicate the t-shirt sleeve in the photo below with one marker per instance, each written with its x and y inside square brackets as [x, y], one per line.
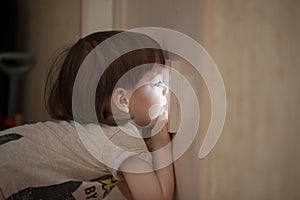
[122, 146]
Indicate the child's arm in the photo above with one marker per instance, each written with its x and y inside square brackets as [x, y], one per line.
[152, 185]
[123, 187]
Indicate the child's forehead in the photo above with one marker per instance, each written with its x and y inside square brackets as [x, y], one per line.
[157, 71]
[153, 76]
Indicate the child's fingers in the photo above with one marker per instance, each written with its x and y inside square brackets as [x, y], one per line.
[161, 123]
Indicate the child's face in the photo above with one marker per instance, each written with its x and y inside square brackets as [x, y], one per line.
[147, 100]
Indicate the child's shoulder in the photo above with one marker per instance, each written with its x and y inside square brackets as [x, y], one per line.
[40, 129]
[126, 129]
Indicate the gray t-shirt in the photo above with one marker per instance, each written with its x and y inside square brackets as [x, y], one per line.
[62, 160]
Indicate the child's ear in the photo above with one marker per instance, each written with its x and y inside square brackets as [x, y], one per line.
[119, 98]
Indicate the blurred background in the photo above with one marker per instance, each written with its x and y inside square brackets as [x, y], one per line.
[256, 46]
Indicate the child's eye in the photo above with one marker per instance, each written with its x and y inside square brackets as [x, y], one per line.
[159, 84]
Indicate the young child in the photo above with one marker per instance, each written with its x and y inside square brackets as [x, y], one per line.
[77, 157]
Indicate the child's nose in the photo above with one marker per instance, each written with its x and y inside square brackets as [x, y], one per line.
[165, 91]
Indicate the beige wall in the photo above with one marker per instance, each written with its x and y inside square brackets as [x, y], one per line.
[188, 17]
[96, 15]
[44, 28]
[256, 46]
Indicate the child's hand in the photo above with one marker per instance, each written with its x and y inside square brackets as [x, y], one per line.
[159, 134]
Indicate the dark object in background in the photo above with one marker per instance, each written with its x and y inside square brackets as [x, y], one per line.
[8, 21]
[13, 64]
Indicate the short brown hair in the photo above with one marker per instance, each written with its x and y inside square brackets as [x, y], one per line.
[61, 78]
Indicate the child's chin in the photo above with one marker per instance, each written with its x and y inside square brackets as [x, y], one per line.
[152, 122]
[146, 125]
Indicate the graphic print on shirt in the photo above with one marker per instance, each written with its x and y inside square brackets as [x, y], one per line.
[60, 192]
[9, 137]
[72, 190]
[108, 182]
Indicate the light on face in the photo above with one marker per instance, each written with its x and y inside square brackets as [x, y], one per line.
[155, 111]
